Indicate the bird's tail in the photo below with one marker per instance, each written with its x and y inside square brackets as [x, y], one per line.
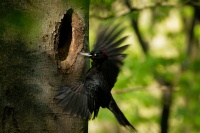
[119, 115]
[74, 100]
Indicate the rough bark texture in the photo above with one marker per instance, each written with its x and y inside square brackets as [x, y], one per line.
[39, 42]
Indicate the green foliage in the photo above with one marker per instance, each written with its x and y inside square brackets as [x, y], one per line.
[105, 3]
[140, 84]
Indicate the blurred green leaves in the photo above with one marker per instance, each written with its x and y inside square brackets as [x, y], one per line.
[144, 77]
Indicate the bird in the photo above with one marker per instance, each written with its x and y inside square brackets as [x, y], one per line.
[84, 99]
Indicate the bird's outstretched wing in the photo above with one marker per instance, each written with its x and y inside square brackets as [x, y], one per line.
[74, 100]
[80, 99]
[108, 39]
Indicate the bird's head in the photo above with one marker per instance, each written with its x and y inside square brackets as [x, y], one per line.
[96, 55]
[107, 46]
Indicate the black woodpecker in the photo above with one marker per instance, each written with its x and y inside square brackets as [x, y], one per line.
[84, 99]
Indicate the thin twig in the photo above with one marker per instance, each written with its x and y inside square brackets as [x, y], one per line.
[125, 90]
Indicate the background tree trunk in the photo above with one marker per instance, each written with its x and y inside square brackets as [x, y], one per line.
[39, 42]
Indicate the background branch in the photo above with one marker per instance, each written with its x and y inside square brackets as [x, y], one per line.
[125, 90]
[151, 6]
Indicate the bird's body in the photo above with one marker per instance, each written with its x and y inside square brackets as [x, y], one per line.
[86, 98]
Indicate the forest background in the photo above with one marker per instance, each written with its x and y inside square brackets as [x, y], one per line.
[158, 88]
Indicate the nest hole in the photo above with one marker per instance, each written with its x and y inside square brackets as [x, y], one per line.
[65, 35]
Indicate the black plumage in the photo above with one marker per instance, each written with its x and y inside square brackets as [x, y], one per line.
[86, 98]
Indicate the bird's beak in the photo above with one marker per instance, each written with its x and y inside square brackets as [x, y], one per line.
[85, 54]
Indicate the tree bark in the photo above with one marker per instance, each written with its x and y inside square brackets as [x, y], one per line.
[39, 42]
[167, 103]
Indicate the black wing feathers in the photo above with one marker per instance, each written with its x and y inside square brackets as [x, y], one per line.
[107, 40]
[115, 44]
[74, 100]
[106, 35]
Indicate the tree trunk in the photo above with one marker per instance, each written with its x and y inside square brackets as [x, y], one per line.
[39, 45]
